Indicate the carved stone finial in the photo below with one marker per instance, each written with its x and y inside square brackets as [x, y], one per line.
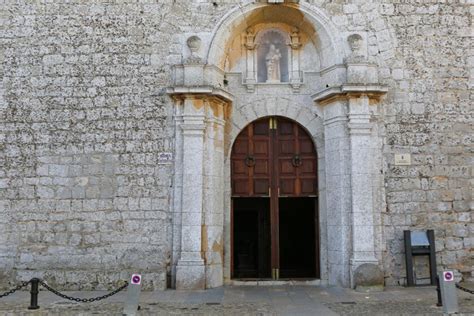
[357, 50]
[194, 44]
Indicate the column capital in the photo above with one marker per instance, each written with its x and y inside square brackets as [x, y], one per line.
[348, 91]
[182, 93]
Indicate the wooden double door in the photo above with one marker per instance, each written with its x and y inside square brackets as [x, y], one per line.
[274, 195]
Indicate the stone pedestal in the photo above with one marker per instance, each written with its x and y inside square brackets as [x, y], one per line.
[190, 274]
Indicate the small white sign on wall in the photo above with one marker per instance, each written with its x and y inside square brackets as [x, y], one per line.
[402, 159]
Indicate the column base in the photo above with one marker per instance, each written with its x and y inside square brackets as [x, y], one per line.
[366, 276]
[190, 275]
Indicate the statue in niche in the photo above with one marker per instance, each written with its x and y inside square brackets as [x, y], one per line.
[272, 51]
[272, 60]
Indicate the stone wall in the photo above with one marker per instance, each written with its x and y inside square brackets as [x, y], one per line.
[430, 115]
[87, 137]
[85, 142]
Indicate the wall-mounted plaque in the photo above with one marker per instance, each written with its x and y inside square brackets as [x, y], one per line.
[402, 159]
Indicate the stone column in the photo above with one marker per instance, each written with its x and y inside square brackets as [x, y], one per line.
[200, 114]
[338, 191]
[349, 172]
[361, 151]
[190, 271]
[213, 199]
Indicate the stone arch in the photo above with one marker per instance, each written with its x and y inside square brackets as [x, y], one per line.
[306, 116]
[324, 34]
[275, 106]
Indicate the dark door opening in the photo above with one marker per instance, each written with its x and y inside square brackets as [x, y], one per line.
[251, 233]
[298, 225]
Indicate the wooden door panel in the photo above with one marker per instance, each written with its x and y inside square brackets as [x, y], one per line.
[286, 147]
[240, 187]
[306, 146]
[251, 160]
[260, 147]
[261, 127]
[286, 167]
[308, 166]
[308, 186]
[240, 146]
[285, 127]
[239, 168]
[261, 167]
[261, 186]
[287, 187]
[292, 162]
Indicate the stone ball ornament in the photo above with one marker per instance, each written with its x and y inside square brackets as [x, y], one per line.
[194, 44]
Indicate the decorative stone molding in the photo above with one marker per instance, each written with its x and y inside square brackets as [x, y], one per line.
[354, 99]
[349, 91]
[200, 110]
[198, 75]
[251, 75]
[342, 130]
[296, 78]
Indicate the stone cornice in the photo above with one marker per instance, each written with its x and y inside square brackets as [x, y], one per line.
[180, 92]
[349, 90]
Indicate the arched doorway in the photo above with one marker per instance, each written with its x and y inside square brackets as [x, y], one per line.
[274, 202]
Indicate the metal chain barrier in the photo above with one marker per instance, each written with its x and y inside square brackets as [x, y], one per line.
[18, 287]
[464, 289]
[82, 300]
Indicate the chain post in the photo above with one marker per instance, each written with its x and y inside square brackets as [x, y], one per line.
[438, 291]
[34, 294]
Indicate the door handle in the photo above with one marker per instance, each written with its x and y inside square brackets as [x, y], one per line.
[296, 161]
[250, 161]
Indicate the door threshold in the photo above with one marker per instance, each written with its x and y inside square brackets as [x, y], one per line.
[247, 282]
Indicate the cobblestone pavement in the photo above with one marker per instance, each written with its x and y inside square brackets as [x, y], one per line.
[242, 300]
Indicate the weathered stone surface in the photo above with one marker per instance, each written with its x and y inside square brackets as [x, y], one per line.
[368, 277]
[87, 136]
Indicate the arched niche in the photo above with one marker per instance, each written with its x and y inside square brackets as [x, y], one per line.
[311, 22]
[268, 42]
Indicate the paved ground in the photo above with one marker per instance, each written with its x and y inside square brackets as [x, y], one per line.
[243, 300]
